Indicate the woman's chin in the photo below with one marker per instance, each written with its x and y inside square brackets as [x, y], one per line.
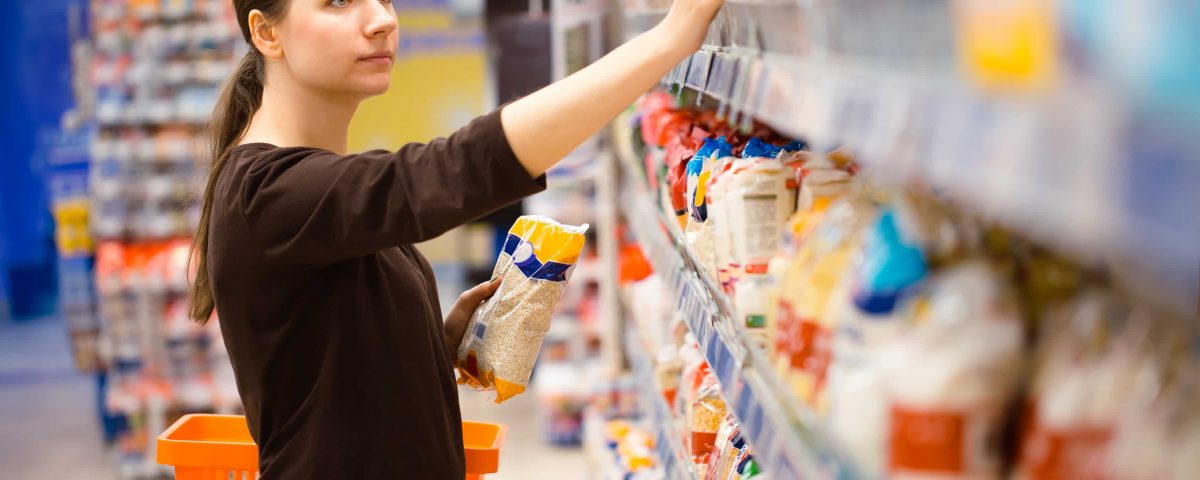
[375, 87]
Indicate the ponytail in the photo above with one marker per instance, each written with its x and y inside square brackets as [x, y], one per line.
[239, 99]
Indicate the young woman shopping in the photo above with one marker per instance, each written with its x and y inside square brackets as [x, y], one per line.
[330, 315]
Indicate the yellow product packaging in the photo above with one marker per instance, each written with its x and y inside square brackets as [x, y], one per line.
[805, 313]
[505, 334]
[818, 190]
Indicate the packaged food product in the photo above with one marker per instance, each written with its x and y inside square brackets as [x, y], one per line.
[891, 266]
[707, 412]
[1093, 366]
[724, 463]
[699, 169]
[752, 301]
[506, 332]
[1159, 438]
[757, 148]
[668, 368]
[953, 375]
[749, 469]
[699, 232]
[721, 224]
[758, 207]
[807, 309]
[680, 150]
[636, 451]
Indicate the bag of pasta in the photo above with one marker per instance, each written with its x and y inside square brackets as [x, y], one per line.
[505, 334]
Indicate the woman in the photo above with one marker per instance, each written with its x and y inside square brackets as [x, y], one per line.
[330, 315]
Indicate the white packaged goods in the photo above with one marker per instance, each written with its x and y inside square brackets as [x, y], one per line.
[752, 301]
[1095, 365]
[953, 377]
[857, 397]
[505, 334]
[721, 224]
[760, 204]
[1160, 437]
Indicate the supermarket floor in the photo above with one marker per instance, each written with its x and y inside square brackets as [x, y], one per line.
[50, 430]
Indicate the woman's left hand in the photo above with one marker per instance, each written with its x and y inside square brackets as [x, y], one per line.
[460, 315]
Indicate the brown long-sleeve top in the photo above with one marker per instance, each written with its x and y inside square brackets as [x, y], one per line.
[331, 317]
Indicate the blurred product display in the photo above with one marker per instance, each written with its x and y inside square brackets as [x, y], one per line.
[154, 69]
[887, 252]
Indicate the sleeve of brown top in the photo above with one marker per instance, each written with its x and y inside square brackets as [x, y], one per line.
[311, 206]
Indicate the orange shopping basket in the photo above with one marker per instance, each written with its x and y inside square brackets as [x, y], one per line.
[206, 447]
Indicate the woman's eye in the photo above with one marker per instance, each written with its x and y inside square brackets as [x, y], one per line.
[339, 3]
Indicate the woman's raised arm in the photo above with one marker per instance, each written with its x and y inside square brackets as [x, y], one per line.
[548, 124]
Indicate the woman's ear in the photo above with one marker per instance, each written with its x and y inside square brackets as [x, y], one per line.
[263, 35]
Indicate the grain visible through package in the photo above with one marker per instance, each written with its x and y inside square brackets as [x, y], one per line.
[505, 334]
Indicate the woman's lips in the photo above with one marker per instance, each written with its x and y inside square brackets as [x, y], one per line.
[385, 60]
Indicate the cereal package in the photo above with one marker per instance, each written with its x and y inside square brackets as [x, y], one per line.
[505, 334]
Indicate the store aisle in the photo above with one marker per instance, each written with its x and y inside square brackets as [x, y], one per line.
[525, 456]
[47, 409]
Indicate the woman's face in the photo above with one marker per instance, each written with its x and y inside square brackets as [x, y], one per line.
[340, 46]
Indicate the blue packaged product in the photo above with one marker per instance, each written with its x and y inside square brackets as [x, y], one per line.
[756, 148]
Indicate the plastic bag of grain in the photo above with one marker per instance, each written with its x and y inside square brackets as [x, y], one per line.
[506, 332]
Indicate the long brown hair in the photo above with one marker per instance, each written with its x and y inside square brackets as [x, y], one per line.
[239, 100]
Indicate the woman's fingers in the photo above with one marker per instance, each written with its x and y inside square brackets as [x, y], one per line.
[481, 292]
[460, 315]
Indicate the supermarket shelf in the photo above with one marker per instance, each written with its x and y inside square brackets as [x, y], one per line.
[671, 455]
[1073, 165]
[1062, 168]
[784, 433]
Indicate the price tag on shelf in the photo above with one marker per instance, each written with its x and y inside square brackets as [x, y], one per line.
[719, 360]
[697, 74]
[721, 79]
[856, 112]
[747, 408]
[813, 119]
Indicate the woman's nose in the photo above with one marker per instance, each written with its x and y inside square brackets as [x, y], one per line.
[381, 19]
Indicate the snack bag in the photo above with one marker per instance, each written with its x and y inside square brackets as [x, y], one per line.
[699, 169]
[505, 334]
[1093, 369]
[719, 222]
[759, 209]
[699, 232]
[756, 148]
[891, 266]
[953, 374]
[810, 300]
[705, 416]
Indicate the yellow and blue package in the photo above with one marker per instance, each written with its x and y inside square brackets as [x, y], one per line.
[698, 171]
[505, 334]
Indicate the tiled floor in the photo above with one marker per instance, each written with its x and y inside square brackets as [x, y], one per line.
[48, 427]
[50, 430]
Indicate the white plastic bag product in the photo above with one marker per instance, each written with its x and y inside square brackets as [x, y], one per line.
[1095, 366]
[1160, 437]
[953, 376]
[752, 302]
[889, 269]
[505, 334]
[760, 204]
[719, 222]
